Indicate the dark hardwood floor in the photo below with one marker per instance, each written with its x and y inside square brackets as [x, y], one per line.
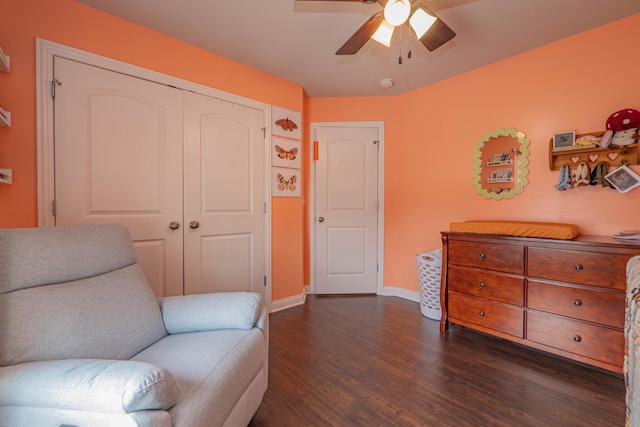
[376, 361]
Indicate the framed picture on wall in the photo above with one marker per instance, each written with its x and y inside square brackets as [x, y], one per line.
[285, 153]
[286, 123]
[564, 140]
[285, 182]
[623, 179]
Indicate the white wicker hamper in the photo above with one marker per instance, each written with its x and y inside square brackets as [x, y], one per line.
[429, 273]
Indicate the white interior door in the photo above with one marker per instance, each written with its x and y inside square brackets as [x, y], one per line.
[346, 210]
[224, 196]
[118, 159]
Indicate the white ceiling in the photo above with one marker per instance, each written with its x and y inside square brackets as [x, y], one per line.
[296, 40]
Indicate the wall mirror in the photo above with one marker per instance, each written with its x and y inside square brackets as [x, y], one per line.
[501, 164]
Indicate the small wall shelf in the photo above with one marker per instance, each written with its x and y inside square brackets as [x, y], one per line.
[614, 155]
[5, 119]
[5, 62]
[6, 176]
[5, 66]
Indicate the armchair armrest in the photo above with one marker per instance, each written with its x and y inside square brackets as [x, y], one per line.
[206, 312]
[107, 386]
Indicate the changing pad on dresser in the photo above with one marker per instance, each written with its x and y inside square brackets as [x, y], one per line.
[542, 230]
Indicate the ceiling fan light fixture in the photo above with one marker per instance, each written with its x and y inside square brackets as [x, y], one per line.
[396, 12]
[384, 33]
[421, 21]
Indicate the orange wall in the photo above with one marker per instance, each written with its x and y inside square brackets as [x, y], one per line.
[429, 132]
[79, 26]
[573, 84]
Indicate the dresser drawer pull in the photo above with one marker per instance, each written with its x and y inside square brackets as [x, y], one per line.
[482, 256]
[482, 285]
[579, 267]
[481, 314]
[577, 338]
[577, 303]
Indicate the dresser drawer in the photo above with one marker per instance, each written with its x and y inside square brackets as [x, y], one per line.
[505, 258]
[599, 343]
[605, 308]
[508, 320]
[586, 268]
[491, 286]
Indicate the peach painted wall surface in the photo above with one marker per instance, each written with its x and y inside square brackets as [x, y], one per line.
[573, 84]
[79, 26]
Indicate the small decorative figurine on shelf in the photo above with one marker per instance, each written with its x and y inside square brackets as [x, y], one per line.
[565, 179]
[624, 124]
[581, 175]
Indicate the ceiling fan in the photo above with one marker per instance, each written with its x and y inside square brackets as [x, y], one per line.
[427, 27]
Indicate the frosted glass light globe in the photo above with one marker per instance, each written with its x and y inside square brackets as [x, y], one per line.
[396, 12]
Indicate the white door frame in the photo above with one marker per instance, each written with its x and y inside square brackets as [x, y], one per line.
[47, 50]
[312, 200]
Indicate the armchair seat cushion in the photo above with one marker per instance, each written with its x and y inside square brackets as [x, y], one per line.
[109, 386]
[213, 369]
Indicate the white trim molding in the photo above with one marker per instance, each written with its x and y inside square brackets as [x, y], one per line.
[290, 302]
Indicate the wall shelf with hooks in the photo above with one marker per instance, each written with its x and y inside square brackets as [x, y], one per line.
[613, 155]
[5, 118]
[5, 66]
[5, 62]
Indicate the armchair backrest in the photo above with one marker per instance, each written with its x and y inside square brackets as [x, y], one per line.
[73, 292]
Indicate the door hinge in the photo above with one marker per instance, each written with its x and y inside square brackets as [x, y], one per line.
[264, 133]
[265, 281]
[377, 266]
[55, 82]
[54, 207]
[265, 207]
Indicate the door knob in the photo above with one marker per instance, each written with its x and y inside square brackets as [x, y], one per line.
[173, 225]
[194, 224]
[321, 219]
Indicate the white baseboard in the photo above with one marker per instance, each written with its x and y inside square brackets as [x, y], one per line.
[389, 291]
[297, 300]
[289, 302]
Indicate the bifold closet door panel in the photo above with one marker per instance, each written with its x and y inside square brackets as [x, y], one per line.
[118, 159]
[224, 196]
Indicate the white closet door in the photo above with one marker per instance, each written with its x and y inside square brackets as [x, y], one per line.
[346, 210]
[118, 159]
[223, 196]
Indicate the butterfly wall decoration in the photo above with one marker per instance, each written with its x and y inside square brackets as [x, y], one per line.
[285, 122]
[285, 182]
[286, 153]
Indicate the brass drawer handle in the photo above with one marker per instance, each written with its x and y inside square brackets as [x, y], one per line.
[482, 256]
[481, 314]
[579, 267]
[482, 285]
[577, 338]
[577, 303]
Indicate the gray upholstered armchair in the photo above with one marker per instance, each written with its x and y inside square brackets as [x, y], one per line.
[84, 342]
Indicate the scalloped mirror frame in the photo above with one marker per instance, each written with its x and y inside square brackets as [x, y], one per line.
[520, 173]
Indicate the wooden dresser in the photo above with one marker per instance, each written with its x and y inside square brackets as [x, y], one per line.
[565, 297]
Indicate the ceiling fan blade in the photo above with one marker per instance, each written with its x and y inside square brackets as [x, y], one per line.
[437, 35]
[360, 37]
[357, 1]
